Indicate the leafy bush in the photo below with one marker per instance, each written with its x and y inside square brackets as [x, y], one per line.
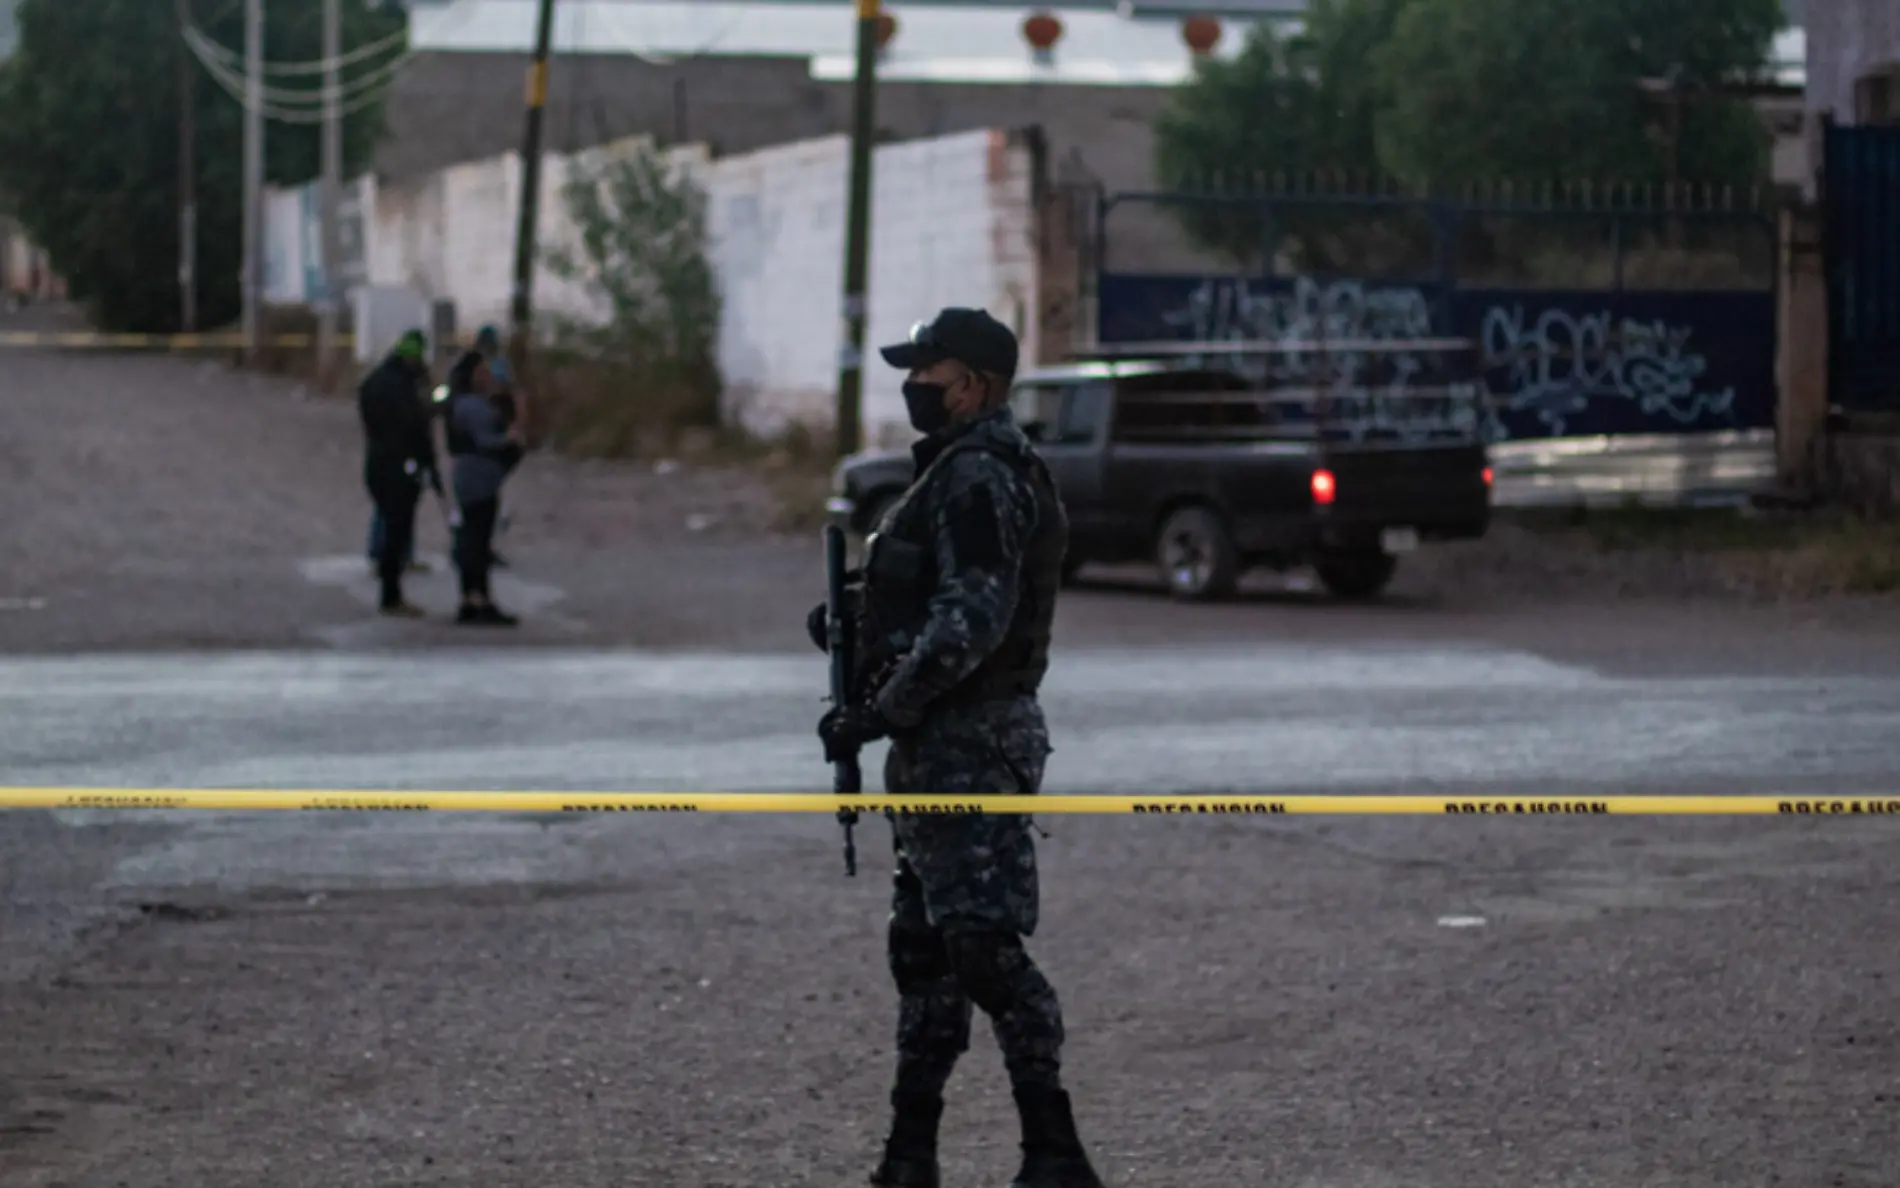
[646, 362]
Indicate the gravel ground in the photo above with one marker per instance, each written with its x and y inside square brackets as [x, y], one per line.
[704, 1002]
[168, 503]
[172, 504]
[1249, 1004]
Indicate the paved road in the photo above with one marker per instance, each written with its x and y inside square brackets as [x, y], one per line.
[1244, 718]
[226, 1000]
[1334, 1004]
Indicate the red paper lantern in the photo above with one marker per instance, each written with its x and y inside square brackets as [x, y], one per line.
[1202, 33]
[886, 28]
[1042, 31]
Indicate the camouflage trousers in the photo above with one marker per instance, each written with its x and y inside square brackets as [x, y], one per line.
[965, 896]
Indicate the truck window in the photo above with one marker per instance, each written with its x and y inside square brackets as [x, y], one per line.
[1191, 405]
[1038, 410]
[1086, 412]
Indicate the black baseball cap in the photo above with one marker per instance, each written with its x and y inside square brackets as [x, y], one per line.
[970, 336]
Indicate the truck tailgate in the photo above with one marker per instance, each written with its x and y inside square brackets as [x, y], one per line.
[1439, 490]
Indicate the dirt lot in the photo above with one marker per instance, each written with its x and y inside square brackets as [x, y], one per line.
[704, 1003]
[158, 503]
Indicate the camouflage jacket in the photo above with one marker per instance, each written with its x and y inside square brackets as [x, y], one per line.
[973, 517]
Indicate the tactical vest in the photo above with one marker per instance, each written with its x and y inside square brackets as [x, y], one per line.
[900, 576]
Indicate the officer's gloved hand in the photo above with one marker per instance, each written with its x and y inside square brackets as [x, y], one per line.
[816, 627]
[845, 730]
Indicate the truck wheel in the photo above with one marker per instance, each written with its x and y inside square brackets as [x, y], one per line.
[1197, 557]
[1356, 575]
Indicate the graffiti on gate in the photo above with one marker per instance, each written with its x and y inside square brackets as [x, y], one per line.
[1371, 392]
[1236, 310]
[1556, 363]
[1553, 363]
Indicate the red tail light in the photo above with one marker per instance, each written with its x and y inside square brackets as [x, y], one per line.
[1324, 488]
[1487, 476]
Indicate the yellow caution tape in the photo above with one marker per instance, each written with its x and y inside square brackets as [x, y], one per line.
[254, 800]
[168, 342]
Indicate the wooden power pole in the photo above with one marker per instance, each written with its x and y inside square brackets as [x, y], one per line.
[857, 234]
[331, 297]
[187, 178]
[521, 313]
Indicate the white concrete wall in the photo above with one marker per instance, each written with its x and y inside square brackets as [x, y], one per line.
[293, 240]
[285, 225]
[952, 224]
[451, 236]
[24, 268]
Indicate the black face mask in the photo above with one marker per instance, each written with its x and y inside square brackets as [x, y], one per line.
[925, 405]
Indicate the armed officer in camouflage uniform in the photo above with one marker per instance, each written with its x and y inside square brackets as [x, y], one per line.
[957, 595]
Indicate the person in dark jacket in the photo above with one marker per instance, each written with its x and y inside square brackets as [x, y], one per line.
[399, 457]
[483, 449]
[958, 598]
[509, 400]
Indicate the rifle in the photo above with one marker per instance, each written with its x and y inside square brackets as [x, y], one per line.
[847, 778]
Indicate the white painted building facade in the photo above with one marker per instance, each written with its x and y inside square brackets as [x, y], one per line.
[953, 223]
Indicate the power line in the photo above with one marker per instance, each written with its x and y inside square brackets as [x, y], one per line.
[280, 103]
[315, 66]
[235, 89]
[209, 52]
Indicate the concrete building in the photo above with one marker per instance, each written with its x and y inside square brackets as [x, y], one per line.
[1840, 334]
[1853, 61]
[740, 75]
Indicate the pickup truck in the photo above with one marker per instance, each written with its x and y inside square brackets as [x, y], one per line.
[1208, 473]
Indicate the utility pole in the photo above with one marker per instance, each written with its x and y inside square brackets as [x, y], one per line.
[253, 173]
[332, 182]
[521, 311]
[187, 178]
[857, 233]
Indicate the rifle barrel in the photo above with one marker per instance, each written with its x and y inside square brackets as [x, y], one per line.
[847, 776]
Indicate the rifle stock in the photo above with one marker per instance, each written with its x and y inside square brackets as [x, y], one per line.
[847, 777]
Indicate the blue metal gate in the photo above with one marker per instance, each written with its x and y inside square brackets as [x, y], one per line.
[1862, 198]
[1596, 311]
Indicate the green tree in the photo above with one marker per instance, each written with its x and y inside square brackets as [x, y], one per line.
[640, 257]
[89, 131]
[1345, 34]
[1289, 108]
[1234, 123]
[1482, 90]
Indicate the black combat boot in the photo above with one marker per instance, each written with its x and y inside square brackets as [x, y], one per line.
[910, 1153]
[1052, 1154]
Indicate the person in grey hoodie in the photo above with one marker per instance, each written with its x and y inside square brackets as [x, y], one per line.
[483, 449]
